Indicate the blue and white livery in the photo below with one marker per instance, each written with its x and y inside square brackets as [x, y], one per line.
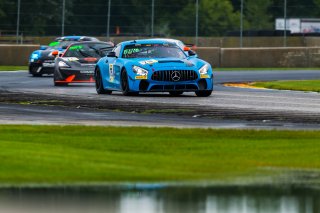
[152, 65]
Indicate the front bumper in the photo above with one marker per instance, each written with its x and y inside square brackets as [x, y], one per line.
[41, 67]
[149, 85]
[70, 75]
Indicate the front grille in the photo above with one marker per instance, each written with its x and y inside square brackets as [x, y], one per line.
[177, 87]
[174, 75]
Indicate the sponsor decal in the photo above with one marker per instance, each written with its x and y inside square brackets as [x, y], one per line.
[76, 47]
[90, 59]
[87, 71]
[139, 77]
[111, 72]
[204, 76]
[71, 59]
[55, 43]
[131, 51]
[47, 64]
[150, 62]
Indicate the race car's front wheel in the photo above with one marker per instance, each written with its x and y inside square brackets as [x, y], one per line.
[59, 84]
[203, 93]
[56, 80]
[125, 84]
[33, 71]
[99, 83]
[175, 93]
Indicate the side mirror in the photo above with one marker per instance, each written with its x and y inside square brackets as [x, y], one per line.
[186, 49]
[192, 53]
[112, 54]
[55, 53]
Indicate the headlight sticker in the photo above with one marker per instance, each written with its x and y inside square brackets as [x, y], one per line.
[150, 62]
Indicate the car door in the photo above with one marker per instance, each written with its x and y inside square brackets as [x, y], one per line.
[114, 69]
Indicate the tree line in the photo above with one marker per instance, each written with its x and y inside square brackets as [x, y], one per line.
[133, 17]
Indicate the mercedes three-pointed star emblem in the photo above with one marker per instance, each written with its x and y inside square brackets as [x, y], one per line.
[175, 76]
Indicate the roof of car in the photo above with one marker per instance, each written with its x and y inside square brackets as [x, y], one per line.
[76, 38]
[147, 41]
[90, 42]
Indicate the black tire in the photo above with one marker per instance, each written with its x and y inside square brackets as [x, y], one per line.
[33, 71]
[175, 93]
[36, 75]
[99, 83]
[203, 93]
[56, 78]
[59, 84]
[125, 85]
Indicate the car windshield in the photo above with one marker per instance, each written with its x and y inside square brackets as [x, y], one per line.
[94, 50]
[152, 51]
[60, 44]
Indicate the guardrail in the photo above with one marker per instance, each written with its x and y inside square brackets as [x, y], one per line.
[17, 55]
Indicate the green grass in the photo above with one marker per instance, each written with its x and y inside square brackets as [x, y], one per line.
[265, 69]
[301, 85]
[78, 154]
[13, 68]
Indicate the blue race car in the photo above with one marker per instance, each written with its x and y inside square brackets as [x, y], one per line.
[152, 65]
[42, 61]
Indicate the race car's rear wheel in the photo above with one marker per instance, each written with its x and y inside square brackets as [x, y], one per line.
[203, 93]
[175, 93]
[99, 83]
[125, 84]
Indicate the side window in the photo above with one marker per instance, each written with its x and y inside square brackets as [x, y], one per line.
[117, 50]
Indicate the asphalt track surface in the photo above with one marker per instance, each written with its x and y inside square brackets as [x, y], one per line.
[227, 107]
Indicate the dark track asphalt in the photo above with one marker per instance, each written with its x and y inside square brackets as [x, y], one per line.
[241, 107]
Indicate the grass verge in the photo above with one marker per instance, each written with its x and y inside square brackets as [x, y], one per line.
[265, 69]
[301, 85]
[13, 68]
[78, 154]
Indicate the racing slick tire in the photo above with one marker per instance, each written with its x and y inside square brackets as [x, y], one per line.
[33, 71]
[58, 84]
[175, 93]
[203, 93]
[36, 75]
[99, 83]
[125, 85]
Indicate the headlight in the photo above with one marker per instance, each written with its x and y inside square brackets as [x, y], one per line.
[139, 70]
[35, 56]
[63, 64]
[204, 69]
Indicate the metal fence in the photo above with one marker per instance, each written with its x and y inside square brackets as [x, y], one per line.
[106, 18]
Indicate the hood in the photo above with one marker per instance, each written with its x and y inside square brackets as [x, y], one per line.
[160, 63]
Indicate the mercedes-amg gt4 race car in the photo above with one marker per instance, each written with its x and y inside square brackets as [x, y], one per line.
[152, 65]
[42, 61]
[78, 62]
